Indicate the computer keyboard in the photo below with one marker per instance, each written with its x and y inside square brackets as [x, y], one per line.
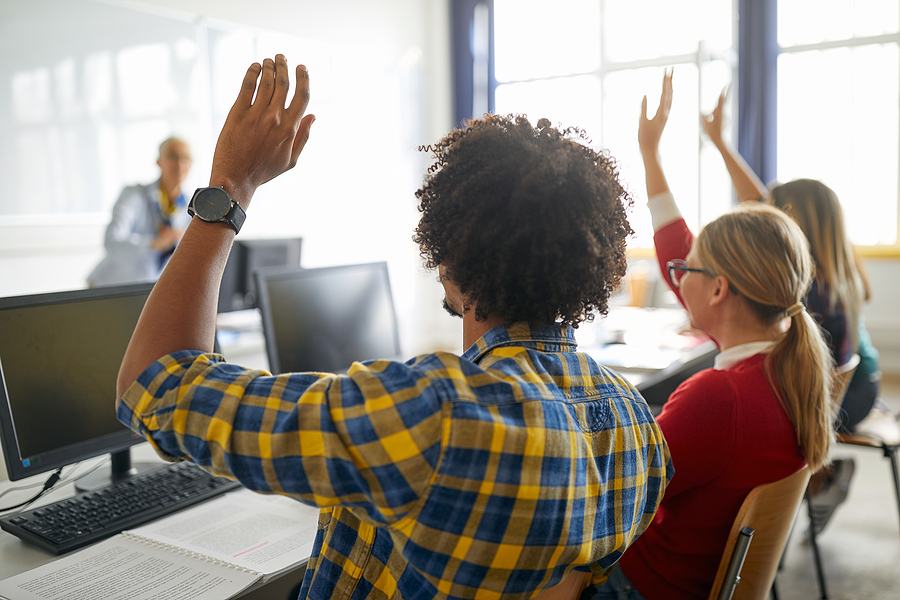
[92, 516]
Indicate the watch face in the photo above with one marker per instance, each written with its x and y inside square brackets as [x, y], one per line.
[212, 204]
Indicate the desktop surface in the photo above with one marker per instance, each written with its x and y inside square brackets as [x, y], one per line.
[76, 522]
[18, 556]
[652, 348]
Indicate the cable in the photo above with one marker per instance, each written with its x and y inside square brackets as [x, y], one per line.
[51, 481]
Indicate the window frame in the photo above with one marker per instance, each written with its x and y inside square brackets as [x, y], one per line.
[755, 68]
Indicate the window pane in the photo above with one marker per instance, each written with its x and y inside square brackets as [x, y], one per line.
[570, 101]
[813, 21]
[642, 29]
[838, 122]
[535, 38]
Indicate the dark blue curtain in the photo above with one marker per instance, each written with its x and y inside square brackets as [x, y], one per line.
[757, 85]
[461, 23]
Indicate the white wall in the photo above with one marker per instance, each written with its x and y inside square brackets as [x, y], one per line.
[380, 77]
[882, 316]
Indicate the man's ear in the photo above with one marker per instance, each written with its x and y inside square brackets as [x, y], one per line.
[720, 290]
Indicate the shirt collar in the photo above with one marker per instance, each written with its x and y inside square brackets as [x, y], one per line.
[553, 337]
[728, 358]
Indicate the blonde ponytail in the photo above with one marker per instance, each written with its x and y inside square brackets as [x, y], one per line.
[766, 259]
[795, 363]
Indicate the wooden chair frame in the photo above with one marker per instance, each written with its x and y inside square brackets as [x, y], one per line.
[769, 510]
[843, 376]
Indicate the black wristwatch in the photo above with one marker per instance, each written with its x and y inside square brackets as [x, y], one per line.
[214, 205]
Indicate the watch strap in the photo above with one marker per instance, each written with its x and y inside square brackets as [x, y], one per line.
[235, 217]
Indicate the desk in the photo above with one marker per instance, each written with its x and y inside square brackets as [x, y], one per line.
[649, 348]
[17, 556]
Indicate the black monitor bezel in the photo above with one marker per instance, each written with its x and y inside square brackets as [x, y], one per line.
[238, 277]
[263, 304]
[72, 453]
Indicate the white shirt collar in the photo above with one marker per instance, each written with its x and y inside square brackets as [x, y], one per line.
[728, 358]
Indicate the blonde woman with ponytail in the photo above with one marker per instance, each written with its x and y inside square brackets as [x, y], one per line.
[835, 300]
[840, 286]
[761, 413]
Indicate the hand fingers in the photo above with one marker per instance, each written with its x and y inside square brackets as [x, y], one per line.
[666, 101]
[266, 84]
[248, 86]
[301, 138]
[665, 104]
[301, 95]
[644, 109]
[282, 81]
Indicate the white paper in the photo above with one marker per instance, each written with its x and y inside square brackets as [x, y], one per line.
[123, 569]
[209, 552]
[263, 533]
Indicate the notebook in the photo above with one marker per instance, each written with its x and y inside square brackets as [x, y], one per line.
[212, 551]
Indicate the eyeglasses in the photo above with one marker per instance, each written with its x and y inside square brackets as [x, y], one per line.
[678, 269]
[181, 158]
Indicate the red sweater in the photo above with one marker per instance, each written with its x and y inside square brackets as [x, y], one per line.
[727, 433]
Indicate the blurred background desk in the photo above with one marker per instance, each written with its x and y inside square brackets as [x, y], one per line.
[651, 347]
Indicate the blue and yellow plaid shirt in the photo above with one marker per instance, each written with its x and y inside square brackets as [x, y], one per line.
[490, 475]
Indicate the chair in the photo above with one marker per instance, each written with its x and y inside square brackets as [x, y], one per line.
[882, 433]
[885, 435]
[769, 510]
[843, 375]
[841, 381]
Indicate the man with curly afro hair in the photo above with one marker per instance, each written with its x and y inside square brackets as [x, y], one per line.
[527, 222]
[518, 466]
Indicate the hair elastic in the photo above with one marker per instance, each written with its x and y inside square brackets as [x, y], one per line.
[795, 309]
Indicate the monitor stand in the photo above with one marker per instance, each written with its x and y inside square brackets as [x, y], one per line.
[120, 469]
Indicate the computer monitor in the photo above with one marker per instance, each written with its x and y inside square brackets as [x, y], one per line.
[238, 288]
[325, 319]
[59, 359]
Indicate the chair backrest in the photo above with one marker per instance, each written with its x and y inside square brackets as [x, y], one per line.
[769, 509]
[843, 375]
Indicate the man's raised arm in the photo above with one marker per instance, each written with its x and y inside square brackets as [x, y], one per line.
[260, 140]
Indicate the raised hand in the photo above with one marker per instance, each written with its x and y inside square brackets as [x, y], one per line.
[261, 139]
[714, 123]
[650, 130]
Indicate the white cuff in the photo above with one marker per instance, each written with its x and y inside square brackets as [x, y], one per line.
[663, 209]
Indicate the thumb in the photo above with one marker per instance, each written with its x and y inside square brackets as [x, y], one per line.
[644, 108]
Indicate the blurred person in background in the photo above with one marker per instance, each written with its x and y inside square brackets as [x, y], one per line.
[147, 222]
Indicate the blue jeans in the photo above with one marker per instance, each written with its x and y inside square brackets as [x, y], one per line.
[617, 587]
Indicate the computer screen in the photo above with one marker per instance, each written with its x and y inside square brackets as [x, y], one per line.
[325, 319]
[238, 288]
[59, 359]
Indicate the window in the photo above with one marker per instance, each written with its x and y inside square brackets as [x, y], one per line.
[835, 115]
[838, 105]
[589, 63]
